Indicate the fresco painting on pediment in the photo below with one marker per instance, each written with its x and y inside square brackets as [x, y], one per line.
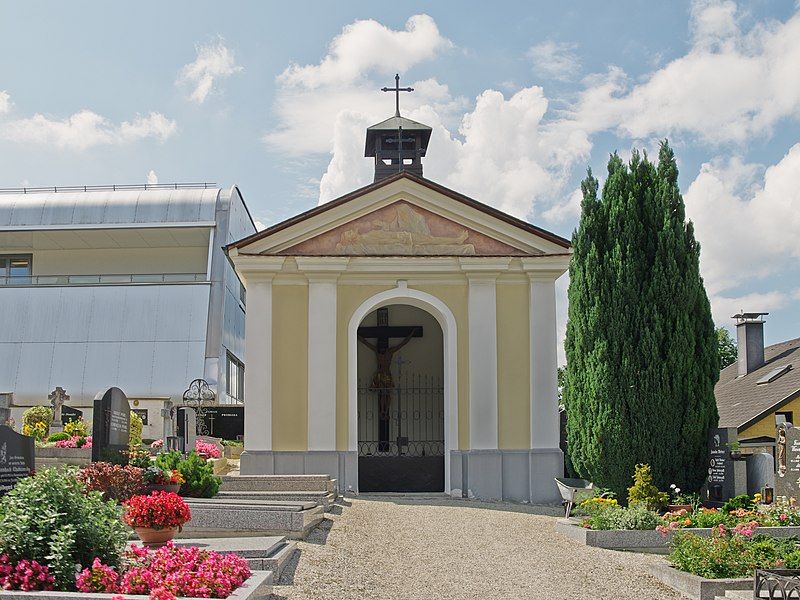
[402, 229]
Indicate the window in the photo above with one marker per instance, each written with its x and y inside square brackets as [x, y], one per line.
[784, 417]
[15, 269]
[235, 380]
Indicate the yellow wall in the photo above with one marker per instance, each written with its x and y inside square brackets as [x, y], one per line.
[120, 261]
[289, 367]
[513, 370]
[766, 426]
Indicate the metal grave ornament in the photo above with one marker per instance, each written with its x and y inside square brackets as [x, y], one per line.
[199, 396]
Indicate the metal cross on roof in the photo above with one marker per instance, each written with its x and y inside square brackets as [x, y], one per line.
[397, 89]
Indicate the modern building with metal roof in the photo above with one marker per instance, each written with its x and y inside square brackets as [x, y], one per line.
[122, 286]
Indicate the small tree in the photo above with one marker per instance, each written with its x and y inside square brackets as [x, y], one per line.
[641, 350]
[726, 348]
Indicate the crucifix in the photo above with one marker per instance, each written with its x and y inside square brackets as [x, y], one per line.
[397, 89]
[382, 381]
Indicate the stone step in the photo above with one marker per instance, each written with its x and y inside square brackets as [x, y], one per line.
[325, 499]
[263, 553]
[221, 517]
[278, 483]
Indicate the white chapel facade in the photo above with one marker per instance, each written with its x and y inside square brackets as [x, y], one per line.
[403, 338]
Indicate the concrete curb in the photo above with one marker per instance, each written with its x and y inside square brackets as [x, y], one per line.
[647, 540]
[695, 586]
[259, 585]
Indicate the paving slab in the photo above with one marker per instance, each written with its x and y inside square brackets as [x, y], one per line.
[233, 518]
[263, 553]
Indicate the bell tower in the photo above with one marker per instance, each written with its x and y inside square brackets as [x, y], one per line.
[397, 144]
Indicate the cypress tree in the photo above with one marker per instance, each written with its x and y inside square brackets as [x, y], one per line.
[641, 349]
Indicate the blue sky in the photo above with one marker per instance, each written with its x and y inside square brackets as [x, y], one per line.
[523, 96]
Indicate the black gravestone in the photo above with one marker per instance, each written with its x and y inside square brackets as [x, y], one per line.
[787, 463]
[17, 455]
[142, 412]
[726, 477]
[68, 413]
[226, 422]
[111, 427]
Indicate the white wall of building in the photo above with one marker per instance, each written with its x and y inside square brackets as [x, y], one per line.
[147, 340]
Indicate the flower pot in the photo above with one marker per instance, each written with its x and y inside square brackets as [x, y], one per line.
[162, 487]
[156, 537]
[676, 507]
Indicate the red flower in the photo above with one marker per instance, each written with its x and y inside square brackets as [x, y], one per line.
[159, 510]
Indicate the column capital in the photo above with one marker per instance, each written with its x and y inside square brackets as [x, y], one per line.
[257, 268]
[548, 266]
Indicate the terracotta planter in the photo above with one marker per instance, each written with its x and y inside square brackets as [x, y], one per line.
[676, 507]
[155, 538]
[162, 487]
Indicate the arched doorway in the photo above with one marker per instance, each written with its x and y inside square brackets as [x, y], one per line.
[400, 401]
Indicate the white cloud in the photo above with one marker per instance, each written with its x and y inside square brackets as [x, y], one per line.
[365, 46]
[214, 62]
[5, 102]
[152, 177]
[556, 60]
[86, 129]
[724, 307]
[730, 86]
[747, 226]
[568, 210]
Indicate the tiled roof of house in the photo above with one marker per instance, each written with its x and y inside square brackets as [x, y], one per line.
[742, 401]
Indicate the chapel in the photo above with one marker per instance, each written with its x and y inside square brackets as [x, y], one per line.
[402, 338]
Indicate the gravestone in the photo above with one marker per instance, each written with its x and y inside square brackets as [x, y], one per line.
[726, 477]
[69, 414]
[5, 408]
[187, 427]
[787, 464]
[168, 420]
[226, 422]
[111, 427]
[17, 456]
[760, 472]
[58, 397]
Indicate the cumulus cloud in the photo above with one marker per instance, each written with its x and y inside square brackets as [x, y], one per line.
[730, 86]
[5, 102]
[86, 129]
[724, 307]
[365, 46]
[214, 62]
[152, 178]
[556, 60]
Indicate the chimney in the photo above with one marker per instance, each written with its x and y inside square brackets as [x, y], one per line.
[750, 341]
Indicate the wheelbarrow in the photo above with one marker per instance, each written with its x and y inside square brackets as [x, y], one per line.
[569, 488]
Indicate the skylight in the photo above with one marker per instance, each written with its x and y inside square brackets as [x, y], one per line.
[774, 374]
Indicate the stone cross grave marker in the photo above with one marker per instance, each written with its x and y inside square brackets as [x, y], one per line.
[58, 397]
[5, 408]
[726, 477]
[787, 467]
[17, 457]
[111, 426]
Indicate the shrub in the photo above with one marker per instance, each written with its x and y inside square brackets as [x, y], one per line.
[135, 432]
[36, 422]
[207, 449]
[59, 436]
[159, 510]
[619, 517]
[51, 519]
[233, 443]
[643, 492]
[728, 553]
[168, 572]
[737, 502]
[114, 482]
[77, 428]
[200, 481]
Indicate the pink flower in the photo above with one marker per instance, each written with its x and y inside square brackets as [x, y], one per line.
[207, 449]
[783, 517]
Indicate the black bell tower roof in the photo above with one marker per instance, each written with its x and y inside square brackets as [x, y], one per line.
[397, 144]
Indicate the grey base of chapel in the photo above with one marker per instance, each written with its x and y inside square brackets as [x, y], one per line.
[517, 475]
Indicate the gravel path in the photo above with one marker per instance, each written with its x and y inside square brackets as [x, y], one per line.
[433, 547]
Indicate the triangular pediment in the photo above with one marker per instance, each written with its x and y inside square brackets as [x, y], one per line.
[403, 215]
[402, 229]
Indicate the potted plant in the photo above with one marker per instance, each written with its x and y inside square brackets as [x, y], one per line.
[681, 501]
[156, 518]
[157, 479]
[736, 450]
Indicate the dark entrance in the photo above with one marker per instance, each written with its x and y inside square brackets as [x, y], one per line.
[400, 403]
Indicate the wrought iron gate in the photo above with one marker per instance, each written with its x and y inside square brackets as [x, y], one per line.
[415, 424]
